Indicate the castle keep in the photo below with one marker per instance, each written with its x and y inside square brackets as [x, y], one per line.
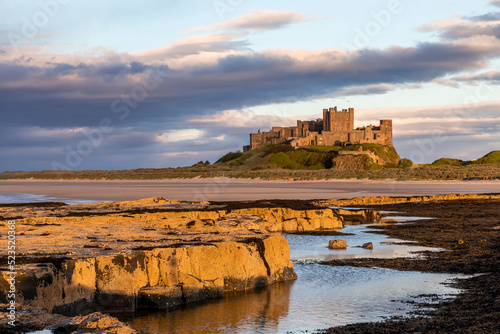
[334, 129]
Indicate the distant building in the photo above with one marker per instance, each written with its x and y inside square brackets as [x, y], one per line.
[336, 128]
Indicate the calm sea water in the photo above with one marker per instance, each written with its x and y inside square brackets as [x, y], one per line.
[32, 198]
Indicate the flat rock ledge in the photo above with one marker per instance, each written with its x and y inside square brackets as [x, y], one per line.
[74, 260]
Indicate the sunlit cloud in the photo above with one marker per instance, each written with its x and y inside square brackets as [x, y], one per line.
[179, 154]
[180, 135]
[258, 20]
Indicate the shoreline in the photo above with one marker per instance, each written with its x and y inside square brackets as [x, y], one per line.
[227, 179]
[228, 189]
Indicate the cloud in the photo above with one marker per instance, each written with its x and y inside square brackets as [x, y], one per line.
[180, 135]
[179, 154]
[463, 27]
[72, 94]
[195, 45]
[220, 138]
[207, 86]
[493, 16]
[492, 77]
[258, 20]
[245, 118]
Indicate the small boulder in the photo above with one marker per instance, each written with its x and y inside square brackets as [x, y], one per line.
[368, 245]
[337, 244]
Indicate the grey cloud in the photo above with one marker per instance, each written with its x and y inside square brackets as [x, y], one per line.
[273, 78]
[464, 30]
[100, 70]
[485, 24]
[494, 16]
[234, 82]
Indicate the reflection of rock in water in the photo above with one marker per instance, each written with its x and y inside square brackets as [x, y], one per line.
[257, 310]
[358, 216]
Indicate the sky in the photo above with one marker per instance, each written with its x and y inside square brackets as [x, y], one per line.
[123, 84]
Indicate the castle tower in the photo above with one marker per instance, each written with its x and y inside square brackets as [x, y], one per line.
[386, 128]
[334, 120]
[326, 120]
[351, 119]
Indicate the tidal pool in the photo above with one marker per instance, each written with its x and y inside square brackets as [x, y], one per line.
[322, 296]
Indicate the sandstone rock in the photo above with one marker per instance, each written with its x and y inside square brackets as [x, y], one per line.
[158, 278]
[368, 245]
[96, 322]
[395, 200]
[29, 319]
[337, 244]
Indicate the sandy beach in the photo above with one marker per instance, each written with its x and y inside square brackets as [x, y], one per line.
[226, 189]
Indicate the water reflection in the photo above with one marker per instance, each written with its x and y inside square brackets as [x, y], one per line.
[321, 297]
[311, 247]
[257, 311]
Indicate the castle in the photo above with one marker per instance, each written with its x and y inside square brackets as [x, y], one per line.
[335, 128]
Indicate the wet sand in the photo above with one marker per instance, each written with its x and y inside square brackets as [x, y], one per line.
[225, 189]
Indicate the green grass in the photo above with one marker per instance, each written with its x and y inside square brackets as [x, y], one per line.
[405, 163]
[387, 153]
[490, 158]
[447, 162]
[325, 148]
[230, 156]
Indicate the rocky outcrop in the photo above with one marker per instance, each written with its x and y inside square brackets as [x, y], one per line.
[289, 220]
[30, 319]
[159, 278]
[152, 253]
[337, 244]
[374, 200]
[367, 245]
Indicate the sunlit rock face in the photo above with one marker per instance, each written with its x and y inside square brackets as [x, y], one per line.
[152, 253]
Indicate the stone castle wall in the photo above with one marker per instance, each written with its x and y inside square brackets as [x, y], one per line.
[334, 129]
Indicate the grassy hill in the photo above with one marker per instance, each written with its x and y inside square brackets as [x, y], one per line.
[313, 158]
[491, 158]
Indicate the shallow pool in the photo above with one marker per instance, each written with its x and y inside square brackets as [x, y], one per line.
[322, 296]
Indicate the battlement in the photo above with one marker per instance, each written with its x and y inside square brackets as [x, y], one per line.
[334, 129]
